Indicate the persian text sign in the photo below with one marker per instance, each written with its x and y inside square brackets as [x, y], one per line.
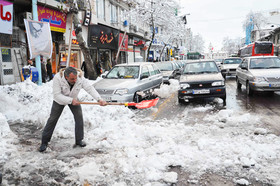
[56, 19]
[103, 37]
[6, 17]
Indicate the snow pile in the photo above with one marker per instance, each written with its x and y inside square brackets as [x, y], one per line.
[7, 138]
[165, 90]
[125, 149]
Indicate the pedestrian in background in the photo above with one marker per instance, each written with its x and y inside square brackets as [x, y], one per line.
[66, 87]
[49, 69]
[30, 62]
[43, 70]
[84, 68]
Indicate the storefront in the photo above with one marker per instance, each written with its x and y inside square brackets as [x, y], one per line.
[103, 44]
[139, 48]
[75, 59]
[136, 49]
[57, 22]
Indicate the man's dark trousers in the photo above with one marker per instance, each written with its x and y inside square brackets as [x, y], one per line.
[54, 116]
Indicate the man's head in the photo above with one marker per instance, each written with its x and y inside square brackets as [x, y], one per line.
[41, 57]
[30, 62]
[70, 74]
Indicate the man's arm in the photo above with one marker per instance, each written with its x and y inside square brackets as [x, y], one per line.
[91, 90]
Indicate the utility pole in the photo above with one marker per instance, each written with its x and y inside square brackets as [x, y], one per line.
[37, 59]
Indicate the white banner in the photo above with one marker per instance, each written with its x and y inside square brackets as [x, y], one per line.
[6, 17]
[39, 38]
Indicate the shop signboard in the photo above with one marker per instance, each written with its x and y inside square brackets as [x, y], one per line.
[103, 37]
[6, 17]
[56, 19]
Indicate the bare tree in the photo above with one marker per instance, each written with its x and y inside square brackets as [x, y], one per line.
[255, 18]
[160, 16]
[231, 45]
[75, 7]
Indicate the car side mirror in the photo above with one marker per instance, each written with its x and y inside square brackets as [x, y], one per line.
[143, 76]
[103, 76]
[244, 67]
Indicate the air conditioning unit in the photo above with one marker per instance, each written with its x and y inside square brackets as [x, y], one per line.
[22, 16]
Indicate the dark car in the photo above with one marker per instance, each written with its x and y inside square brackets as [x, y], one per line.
[201, 79]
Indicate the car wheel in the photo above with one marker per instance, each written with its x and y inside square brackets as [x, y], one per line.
[137, 98]
[181, 101]
[224, 98]
[238, 84]
[249, 90]
[271, 93]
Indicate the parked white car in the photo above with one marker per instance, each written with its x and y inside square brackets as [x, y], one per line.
[229, 66]
[259, 74]
[129, 82]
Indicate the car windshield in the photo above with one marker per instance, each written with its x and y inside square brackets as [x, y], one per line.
[121, 72]
[165, 66]
[232, 61]
[265, 63]
[201, 68]
[218, 60]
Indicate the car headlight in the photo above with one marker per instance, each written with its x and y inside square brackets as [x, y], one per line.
[122, 91]
[218, 83]
[184, 86]
[259, 79]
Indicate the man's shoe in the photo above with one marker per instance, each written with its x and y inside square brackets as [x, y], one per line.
[43, 147]
[81, 144]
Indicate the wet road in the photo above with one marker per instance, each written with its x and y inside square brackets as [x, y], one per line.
[262, 104]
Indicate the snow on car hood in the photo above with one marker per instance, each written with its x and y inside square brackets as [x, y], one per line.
[265, 72]
[201, 77]
[115, 83]
[229, 66]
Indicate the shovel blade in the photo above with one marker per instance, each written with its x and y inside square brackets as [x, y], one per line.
[145, 104]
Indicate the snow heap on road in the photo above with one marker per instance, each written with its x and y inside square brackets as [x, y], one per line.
[126, 149]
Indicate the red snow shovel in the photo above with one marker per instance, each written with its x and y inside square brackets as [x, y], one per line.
[141, 105]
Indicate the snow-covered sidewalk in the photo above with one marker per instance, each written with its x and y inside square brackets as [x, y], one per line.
[127, 149]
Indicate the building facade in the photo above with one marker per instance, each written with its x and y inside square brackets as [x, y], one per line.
[110, 36]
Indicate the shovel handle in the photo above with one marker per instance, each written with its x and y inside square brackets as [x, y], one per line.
[108, 103]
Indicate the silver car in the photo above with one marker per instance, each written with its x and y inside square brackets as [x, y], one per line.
[169, 70]
[129, 82]
[259, 74]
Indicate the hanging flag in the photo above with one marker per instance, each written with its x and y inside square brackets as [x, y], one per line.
[39, 38]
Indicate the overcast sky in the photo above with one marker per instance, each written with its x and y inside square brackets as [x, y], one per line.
[217, 19]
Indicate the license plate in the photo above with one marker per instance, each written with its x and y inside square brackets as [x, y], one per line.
[202, 91]
[275, 85]
[106, 98]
